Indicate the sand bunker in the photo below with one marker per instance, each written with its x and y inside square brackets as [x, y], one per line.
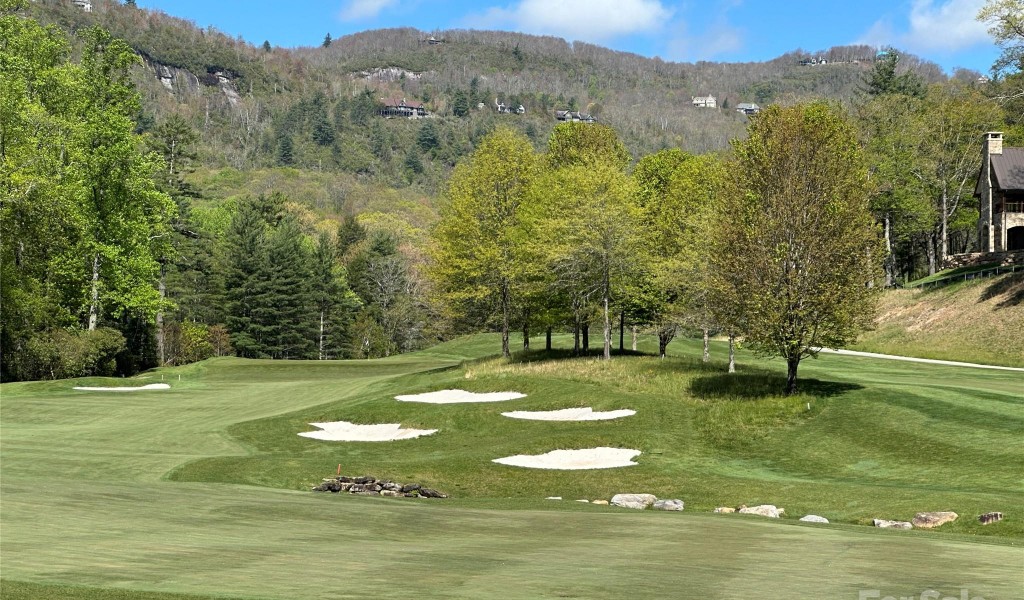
[459, 396]
[343, 431]
[590, 458]
[570, 414]
[151, 386]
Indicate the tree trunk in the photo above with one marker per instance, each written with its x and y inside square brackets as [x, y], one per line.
[634, 337]
[944, 232]
[890, 260]
[622, 331]
[792, 363]
[504, 322]
[547, 340]
[94, 295]
[526, 333]
[607, 332]
[931, 253]
[732, 353]
[320, 341]
[576, 337]
[586, 337]
[707, 350]
[161, 347]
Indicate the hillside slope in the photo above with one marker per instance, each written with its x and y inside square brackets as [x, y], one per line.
[980, 321]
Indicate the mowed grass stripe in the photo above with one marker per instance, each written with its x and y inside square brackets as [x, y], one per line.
[276, 544]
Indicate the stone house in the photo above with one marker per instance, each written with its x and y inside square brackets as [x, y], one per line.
[1000, 194]
[400, 107]
[704, 101]
[748, 108]
[570, 116]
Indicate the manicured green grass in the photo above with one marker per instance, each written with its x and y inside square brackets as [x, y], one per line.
[203, 489]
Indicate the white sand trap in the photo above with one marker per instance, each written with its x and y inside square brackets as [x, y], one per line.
[570, 414]
[590, 458]
[459, 396]
[343, 431]
[150, 386]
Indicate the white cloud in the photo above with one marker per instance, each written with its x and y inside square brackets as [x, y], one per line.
[585, 20]
[356, 10]
[718, 39]
[933, 26]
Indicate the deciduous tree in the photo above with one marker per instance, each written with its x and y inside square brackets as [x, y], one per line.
[474, 246]
[797, 245]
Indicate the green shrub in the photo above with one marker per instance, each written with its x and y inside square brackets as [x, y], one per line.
[61, 353]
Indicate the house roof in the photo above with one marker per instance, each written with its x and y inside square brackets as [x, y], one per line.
[401, 102]
[1008, 168]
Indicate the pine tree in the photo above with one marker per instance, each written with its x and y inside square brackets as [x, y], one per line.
[289, 313]
[247, 281]
[327, 40]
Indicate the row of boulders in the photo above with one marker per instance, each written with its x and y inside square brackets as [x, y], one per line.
[930, 520]
[371, 486]
[923, 520]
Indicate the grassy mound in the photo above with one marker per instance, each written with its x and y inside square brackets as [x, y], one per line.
[980, 321]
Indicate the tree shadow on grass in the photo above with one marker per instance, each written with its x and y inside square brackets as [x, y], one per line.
[762, 384]
[1011, 286]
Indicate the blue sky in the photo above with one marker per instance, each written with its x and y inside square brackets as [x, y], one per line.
[942, 31]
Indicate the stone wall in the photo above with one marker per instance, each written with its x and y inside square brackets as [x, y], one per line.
[972, 259]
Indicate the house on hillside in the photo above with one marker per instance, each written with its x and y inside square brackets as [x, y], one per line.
[1000, 194]
[704, 101]
[400, 107]
[748, 108]
[508, 108]
[569, 116]
[85, 5]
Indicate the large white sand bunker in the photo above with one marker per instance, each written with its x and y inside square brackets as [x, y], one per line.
[574, 460]
[343, 431]
[149, 386]
[459, 396]
[570, 414]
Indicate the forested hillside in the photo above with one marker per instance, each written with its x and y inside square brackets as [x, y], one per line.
[284, 216]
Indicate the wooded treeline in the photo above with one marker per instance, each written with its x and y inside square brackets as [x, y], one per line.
[187, 194]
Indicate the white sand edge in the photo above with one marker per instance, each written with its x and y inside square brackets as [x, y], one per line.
[343, 431]
[574, 460]
[148, 386]
[570, 414]
[459, 396]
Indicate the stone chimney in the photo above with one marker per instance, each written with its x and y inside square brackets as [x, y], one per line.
[993, 143]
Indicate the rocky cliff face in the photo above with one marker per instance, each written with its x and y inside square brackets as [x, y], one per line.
[179, 82]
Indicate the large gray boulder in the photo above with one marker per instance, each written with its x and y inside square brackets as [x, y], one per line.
[635, 501]
[813, 519]
[887, 524]
[765, 510]
[668, 505]
[928, 520]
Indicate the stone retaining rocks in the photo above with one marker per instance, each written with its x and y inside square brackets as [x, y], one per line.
[634, 501]
[675, 504]
[887, 524]
[724, 509]
[813, 519]
[764, 510]
[371, 486]
[928, 520]
[991, 517]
